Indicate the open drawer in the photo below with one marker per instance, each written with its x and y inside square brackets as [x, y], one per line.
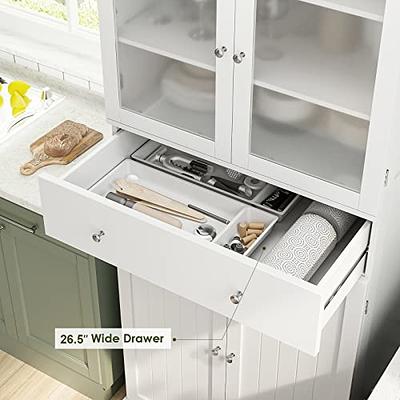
[286, 308]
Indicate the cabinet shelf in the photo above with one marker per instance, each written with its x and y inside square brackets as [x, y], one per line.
[313, 151]
[340, 82]
[369, 9]
[170, 40]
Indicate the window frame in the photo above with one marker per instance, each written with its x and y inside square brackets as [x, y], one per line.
[71, 25]
[42, 39]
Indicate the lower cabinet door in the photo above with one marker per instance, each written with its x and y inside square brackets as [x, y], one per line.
[50, 288]
[237, 363]
[266, 369]
[195, 367]
[7, 322]
[2, 320]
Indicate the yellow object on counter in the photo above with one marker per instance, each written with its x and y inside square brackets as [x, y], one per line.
[19, 101]
[18, 86]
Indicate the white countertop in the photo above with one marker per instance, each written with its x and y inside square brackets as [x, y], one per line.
[388, 386]
[79, 105]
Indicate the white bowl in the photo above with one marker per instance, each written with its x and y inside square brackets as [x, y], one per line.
[188, 91]
[281, 108]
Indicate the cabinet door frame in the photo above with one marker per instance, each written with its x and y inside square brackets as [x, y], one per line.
[220, 148]
[7, 322]
[384, 111]
[90, 366]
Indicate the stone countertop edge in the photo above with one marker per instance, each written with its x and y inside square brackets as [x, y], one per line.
[79, 105]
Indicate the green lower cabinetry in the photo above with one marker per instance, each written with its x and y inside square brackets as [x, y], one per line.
[46, 285]
[2, 320]
[7, 321]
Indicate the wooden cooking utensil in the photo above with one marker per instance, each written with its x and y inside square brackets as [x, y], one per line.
[160, 215]
[156, 200]
[41, 159]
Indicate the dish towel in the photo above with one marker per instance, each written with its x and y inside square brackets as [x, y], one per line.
[309, 241]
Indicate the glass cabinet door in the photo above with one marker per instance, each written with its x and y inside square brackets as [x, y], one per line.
[167, 59]
[311, 90]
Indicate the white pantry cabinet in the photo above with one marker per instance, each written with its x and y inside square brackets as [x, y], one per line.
[290, 90]
[304, 95]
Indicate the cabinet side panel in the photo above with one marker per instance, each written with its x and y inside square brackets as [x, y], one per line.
[385, 107]
[383, 268]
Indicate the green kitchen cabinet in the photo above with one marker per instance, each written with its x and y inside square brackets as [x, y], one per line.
[7, 322]
[46, 285]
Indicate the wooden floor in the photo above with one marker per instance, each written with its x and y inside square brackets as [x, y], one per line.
[19, 381]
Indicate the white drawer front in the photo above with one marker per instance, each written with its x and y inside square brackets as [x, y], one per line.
[200, 271]
[277, 304]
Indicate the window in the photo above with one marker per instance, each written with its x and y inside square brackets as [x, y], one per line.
[76, 14]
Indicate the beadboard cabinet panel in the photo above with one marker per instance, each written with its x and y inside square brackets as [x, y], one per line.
[261, 369]
[271, 370]
[189, 370]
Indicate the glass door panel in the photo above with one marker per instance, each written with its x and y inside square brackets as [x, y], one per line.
[166, 61]
[314, 74]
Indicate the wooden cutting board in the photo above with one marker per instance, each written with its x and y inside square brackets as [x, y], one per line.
[41, 159]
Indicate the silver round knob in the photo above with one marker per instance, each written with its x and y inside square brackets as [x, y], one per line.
[237, 297]
[97, 236]
[2, 227]
[238, 58]
[220, 51]
[229, 358]
[215, 351]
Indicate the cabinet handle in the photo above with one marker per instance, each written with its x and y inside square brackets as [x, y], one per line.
[97, 236]
[2, 227]
[220, 51]
[30, 229]
[237, 297]
[229, 358]
[238, 58]
[215, 351]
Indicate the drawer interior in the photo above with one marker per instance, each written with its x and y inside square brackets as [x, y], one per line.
[231, 210]
[252, 191]
[100, 179]
[282, 227]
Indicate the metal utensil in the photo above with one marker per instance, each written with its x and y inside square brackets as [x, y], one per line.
[231, 187]
[17, 121]
[206, 231]
[235, 175]
[209, 214]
